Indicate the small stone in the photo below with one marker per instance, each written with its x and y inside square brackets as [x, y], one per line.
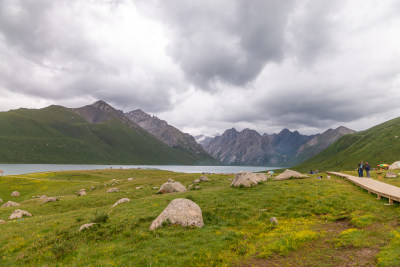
[204, 179]
[1, 200]
[10, 204]
[122, 200]
[391, 175]
[197, 187]
[51, 199]
[190, 186]
[273, 220]
[130, 179]
[43, 197]
[196, 181]
[112, 190]
[15, 194]
[86, 226]
[17, 214]
[2, 221]
[81, 192]
[155, 187]
[139, 187]
[171, 187]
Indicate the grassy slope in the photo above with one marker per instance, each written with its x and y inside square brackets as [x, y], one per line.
[321, 223]
[376, 145]
[57, 135]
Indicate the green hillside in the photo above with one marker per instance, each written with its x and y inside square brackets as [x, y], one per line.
[376, 145]
[58, 135]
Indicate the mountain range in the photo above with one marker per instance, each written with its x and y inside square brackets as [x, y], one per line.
[286, 148]
[94, 134]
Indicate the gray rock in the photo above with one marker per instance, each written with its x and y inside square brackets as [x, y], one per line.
[10, 204]
[155, 187]
[82, 192]
[130, 179]
[395, 165]
[246, 179]
[122, 200]
[197, 187]
[287, 174]
[204, 179]
[112, 190]
[43, 197]
[273, 220]
[196, 181]
[15, 194]
[51, 199]
[17, 214]
[86, 226]
[262, 177]
[390, 175]
[171, 186]
[139, 187]
[180, 211]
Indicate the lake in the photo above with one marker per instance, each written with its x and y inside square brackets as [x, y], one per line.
[16, 169]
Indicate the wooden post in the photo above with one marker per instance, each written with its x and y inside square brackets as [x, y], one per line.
[378, 197]
[390, 201]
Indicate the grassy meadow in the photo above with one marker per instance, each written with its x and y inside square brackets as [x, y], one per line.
[321, 222]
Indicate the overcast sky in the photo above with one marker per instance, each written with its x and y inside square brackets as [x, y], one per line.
[206, 66]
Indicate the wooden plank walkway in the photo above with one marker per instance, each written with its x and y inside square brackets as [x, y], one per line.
[381, 189]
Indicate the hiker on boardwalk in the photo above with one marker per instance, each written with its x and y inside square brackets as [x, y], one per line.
[367, 169]
[361, 167]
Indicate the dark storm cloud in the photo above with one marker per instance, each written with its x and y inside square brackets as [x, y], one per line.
[228, 41]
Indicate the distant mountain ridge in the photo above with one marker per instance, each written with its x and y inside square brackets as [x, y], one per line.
[93, 134]
[166, 133]
[285, 148]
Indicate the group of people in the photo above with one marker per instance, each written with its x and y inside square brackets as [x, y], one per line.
[364, 166]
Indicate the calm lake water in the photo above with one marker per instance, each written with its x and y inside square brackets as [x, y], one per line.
[15, 169]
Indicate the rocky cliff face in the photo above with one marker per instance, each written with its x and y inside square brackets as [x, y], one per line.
[165, 132]
[247, 147]
[322, 141]
[204, 139]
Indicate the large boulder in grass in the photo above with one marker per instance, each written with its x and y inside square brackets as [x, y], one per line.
[246, 179]
[51, 199]
[263, 177]
[395, 166]
[171, 187]
[15, 194]
[17, 214]
[390, 175]
[10, 204]
[180, 211]
[86, 226]
[122, 200]
[287, 174]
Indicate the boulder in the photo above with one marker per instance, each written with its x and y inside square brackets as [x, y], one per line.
[171, 186]
[180, 211]
[196, 181]
[2, 221]
[50, 199]
[86, 226]
[390, 175]
[81, 192]
[10, 204]
[287, 174]
[246, 179]
[15, 194]
[112, 190]
[197, 187]
[395, 166]
[204, 179]
[17, 214]
[122, 200]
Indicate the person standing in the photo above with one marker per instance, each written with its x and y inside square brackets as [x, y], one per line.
[367, 169]
[361, 169]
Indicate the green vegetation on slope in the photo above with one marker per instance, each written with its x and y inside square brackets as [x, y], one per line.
[321, 223]
[376, 145]
[57, 135]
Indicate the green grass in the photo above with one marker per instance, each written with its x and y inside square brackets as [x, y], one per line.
[237, 230]
[58, 135]
[376, 145]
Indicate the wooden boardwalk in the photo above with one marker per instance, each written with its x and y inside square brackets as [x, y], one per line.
[381, 189]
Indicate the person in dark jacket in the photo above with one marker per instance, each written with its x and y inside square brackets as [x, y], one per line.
[367, 169]
[361, 167]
